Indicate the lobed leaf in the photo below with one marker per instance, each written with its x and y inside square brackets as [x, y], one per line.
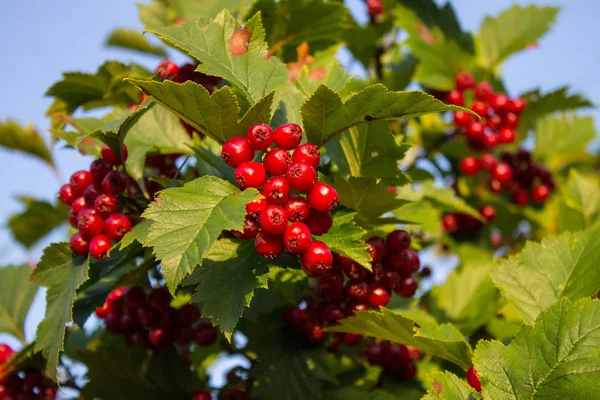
[16, 295]
[27, 139]
[37, 220]
[345, 238]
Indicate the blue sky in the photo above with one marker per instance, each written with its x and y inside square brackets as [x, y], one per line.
[40, 39]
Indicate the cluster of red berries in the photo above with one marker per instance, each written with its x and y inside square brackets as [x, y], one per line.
[187, 72]
[375, 9]
[394, 264]
[465, 225]
[92, 196]
[267, 219]
[149, 320]
[499, 113]
[232, 394]
[396, 359]
[515, 174]
[28, 384]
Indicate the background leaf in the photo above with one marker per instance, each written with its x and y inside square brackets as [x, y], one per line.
[37, 220]
[133, 40]
[27, 139]
[447, 386]
[16, 295]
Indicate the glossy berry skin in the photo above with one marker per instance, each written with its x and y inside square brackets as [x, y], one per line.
[273, 220]
[490, 141]
[237, 151]
[296, 238]
[462, 118]
[408, 287]
[160, 337]
[510, 120]
[469, 166]
[374, 8]
[106, 204]
[297, 208]
[357, 291]
[277, 162]
[488, 212]
[201, 395]
[167, 68]
[250, 230]
[483, 91]
[473, 379]
[99, 246]
[520, 197]
[79, 244]
[260, 136]
[455, 97]
[250, 174]
[114, 182]
[288, 136]
[494, 122]
[109, 155]
[91, 193]
[450, 223]
[506, 135]
[276, 190]
[398, 241]
[307, 153]
[475, 130]
[480, 108]
[78, 205]
[516, 106]
[89, 222]
[317, 259]
[464, 80]
[378, 296]
[319, 222]
[79, 181]
[99, 168]
[502, 172]
[323, 197]
[301, 177]
[540, 193]
[66, 194]
[116, 226]
[268, 246]
[499, 102]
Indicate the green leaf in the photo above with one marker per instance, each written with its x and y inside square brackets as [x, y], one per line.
[558, 357]
[512, 31]
[36, 221]
[345, 238]
[16, 295]
[154, 15]
[579, 207]
[191, 10]
[133, 40]
[399, 70]
[62, 274]
[209, 161]
[325, 115]
[563, 266]
[188, 220]
[235, 53]
[285, 289]
[416, 329]
[27, 139]
[137, 234]
[447, 386]
[324, 70]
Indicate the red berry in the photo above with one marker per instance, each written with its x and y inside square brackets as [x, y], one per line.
[469, 166]
[255, 207]
[409, 262]
[160, 337]
[378, 296]
[483, 91]
[317, 259]
[296, 238]
[358, 291]
[494, 122]
[250, 229]
[506, 135]
[147, 315]
[499, 102]
[99, 247]
[450, 223]
[502, 172]
[323, 197]
[301, 176]
[268, 246]
[66, 195]
[294, 317]
[167, 68]
[540, 193]
[201, 395]
[237, 151]
[91, 193]
[79, 244]
[116, 226]
[135, 297]
[455, 97]
[89, 222]
[277, 162]
[480, 108]
[287, 136]
[352, 339]
[188, 315]
[109, 155]
[516, 105]
[475, 130]
[206, 335]
[276, 190]
[462, 118]
[495, 185]
[114, 182]
[106, 204]
[319, 222]
[488, 212]
[235, 394]
[379, 244]
[398, 241]
[160, 298]
[390, 280]
[464, 80]
[408, 287]
[511, 120]
[520, 197]
[250, 174]
[473, 378]
[79, 181]
[307, 153]
[273, 220]
[99, 168]
[260, 136]
[487, 161]
[297, 209]
[490, 141]
[374, 8]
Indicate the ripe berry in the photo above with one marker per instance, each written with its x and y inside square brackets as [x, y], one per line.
[520, 197]
[188, 315]
[469, 166]
[276, 190]
[147, 316]
[91, 193]
[317, 259]
[475, 130]
[99, 168]
[135, 297]
[114, 182]
[268, 246]
[205, 335]
[511, 120]
[65, 194]
[323, 197]
[494, 122]
[516, 105]
[488, 212]
[358, 291]
[480, 108]
[296, 238]
[297, 209]
[409, 262]
[235, 394]
[374, 8]
[307, 153]
[502, 172]
[319, 222]
[277, 162]
[250, 174]
[490, 141]
[540, 193]
[237, 151]
[201, 395]
[106, 204]
[99, 247]
[380, 246]
[455, 97]
[462, 118]
[109, 155]
[116, 226]
[483, 91]
[499, 102]
[352, 339]
[398, 241]
[79, 244]
[301, 176]
[506, 135]
[89, 222]
[260, 136]
[378, 296]
[450, 223]
[473, 378]
[495, 185]
[408, 287]
[255, 207]
[160, 337]
[160, 298]
[273, 220]
[167, 68]
[464, 80]
[287, 136]
[390, 280]
[79, 181]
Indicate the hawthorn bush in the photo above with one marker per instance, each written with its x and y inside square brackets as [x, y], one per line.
[258, 201]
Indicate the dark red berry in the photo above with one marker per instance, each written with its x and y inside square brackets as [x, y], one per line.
[160, 298]
[470, 166]
[495, 185]
[237, 151]
[301, 176]
[380, 245]
[450, 223]
[332, 314]
[260, 136]
[99, 168]
[483, 91]
[147, 315]
[99, 247]
[160, 337]
[462, 118]
[250, 174]
[307, 153]
[91, 193]
[255, 207]
[323, 197]
[250, 230]
[268, 246]
[79, 244]
[201, 395]
[520, 197]
[205, 335]
[129, 321]
[114, 182]
[106, 204]
[273, 220]
[167, 69]
[378, 296]
[235, 394]
[357, 291]
[455, 97]
[79, 181]
[89, 223]
[410, 262]
[540, 193]
[66, 194]
[473, 378]
[506, 135]
[33, 377]
[116, 226]
[352, 339]
[408, 287]
[297, 209]
[390, 280]
[352, 307]
[319, 222]
[317, 259]
[276, 190]
[502, 172]
[277, 162]
[287, 136]
[109, 155]
[182, 335]
[464, 80]
[490, 141]
[488, 212]
[398, 241]
[188, 314]
[296, 238]
[294, 317]
[135, 297]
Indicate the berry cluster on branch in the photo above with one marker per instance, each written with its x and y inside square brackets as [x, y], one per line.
[26, 384]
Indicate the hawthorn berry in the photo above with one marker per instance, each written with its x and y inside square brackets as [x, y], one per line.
[160, 298]
[99, 168]
[409, 262]
[473, 378]
[450, 223]
[273, 220]
[114, 182]
[116, 226]
[276, 190]
[99, 246]
[516, 106]
[540, 193]
[167, 69]
[488, 212]
[307, 153]
[456, 98]
[464, 80]
[301, 176]
[494, 122]
[66, 194]
[268, 246]
[319, 222]
[316, 259]
[255, 207]
[357, 291]
[109, 155]
[296, 238]
[297, 209]
[205, 335]
[469, 166]
[91, 193]
[511, 120]
[398, 241]
[490, 141]
[495, 185]
[79, 244]
[260, 136]
[483, 91]
[106, 204]
[79, 181]
[475, 130]
[277, 162]
[89, 222]
[201, 395]
[380, 246]
[159, 336]
[250, 174]
[480, 108]
[499, 102]
[506, 135]
[502, 172]
[323, 197]
[237, 151]
[135, 297]
[378, 296]
[520, 197]
[250, 229]
[407, 287]
[462, 118]
[374, 8]
[288, 136]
